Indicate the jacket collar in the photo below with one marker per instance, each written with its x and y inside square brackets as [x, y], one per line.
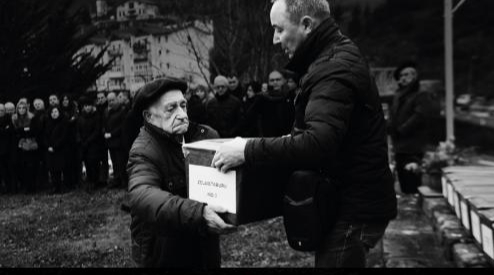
[162, 135]
[317, 42]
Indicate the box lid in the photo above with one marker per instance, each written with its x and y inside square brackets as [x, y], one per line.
[208, 145]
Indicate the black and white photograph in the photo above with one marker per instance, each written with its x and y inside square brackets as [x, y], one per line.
[209, 135]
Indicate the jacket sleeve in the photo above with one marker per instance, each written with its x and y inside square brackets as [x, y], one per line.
[153, 205]
[327, 116]
[418, 119]
[117, 130]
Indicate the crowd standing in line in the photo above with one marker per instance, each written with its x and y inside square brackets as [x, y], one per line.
[61, 143]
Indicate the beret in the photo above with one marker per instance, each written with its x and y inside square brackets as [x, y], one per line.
[404, 65]
[147, 95]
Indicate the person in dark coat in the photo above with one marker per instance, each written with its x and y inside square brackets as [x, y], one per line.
[339, 129]
[27, 148]
[39, 123]
[410, 112]
[225, 110]
[57, 145]
[234, 87]
[273, 111]
[101, 107]
[251, 124]
[73, 167]
[114, 120]
[88, 137]
[167, 229]
[6, 130]
[195, 107]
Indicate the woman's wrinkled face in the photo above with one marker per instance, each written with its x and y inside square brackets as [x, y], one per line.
[55, 114]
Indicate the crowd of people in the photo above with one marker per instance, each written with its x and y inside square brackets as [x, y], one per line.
[67, 143]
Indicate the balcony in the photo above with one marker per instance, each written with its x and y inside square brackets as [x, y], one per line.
[115, 52]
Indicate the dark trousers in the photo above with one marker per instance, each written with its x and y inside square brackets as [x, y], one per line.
[409, 181]
[73, 168]
[92, 169]
[119, 164]
[348, 243]
[104, 168]
[5, 176]
[56, 180]
[28, 170]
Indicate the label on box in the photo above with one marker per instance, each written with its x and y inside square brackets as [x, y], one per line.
[476, 226]
[445, 186]
[456, 203]
[464, 215]
[208, 185]
[487, 241]
[450, 194]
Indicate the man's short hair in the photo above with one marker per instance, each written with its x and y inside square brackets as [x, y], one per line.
[297, 9]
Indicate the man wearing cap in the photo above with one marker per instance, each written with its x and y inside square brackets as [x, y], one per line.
[224, 111]
[167, 229]
[408, 126]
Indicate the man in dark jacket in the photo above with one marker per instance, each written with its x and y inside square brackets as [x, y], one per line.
[234, 87]
[275, 109]
[167, 229]
[112, 128]
[225, 110]
[339, 128]
[6, 128]
[101, 107]
[88, 137]
[408, 126]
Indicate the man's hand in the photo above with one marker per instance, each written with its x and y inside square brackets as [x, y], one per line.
[214, 223]
[107, 135]
[230, 155]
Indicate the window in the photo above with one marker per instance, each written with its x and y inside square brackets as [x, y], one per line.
[168, 65]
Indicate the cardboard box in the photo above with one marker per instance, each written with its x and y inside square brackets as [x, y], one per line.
[249, 194]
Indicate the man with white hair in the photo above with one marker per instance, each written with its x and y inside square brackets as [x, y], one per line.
[9, 108]
[225, 110]
[339, 132]
[167, 229]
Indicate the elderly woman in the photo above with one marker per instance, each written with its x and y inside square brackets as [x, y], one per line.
[27, 147]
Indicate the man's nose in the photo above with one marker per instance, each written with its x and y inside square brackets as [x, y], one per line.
[276, 39]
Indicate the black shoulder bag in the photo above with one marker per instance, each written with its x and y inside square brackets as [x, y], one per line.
[310, 209]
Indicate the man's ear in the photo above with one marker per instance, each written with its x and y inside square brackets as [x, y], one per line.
[308, 23]
[146, 115]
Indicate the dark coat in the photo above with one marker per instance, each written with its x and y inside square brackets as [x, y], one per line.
[56, 136]
[114, 120]
[410, 113]
[276, 113]
[224, 114]
[196, 110]
[131, 128]
[339, 126]
[167, 229]
[89, 135]
[6, 136]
